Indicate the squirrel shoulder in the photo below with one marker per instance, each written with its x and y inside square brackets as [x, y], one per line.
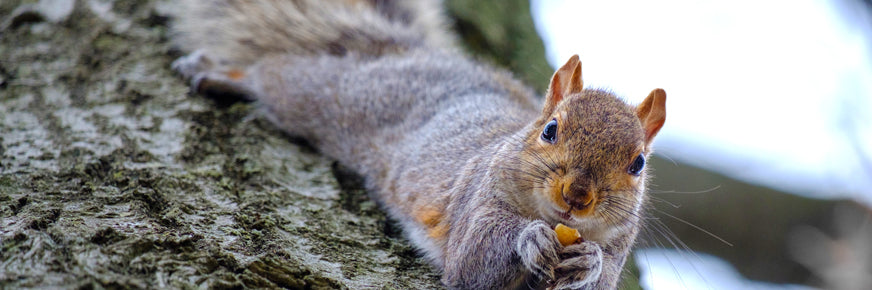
[455, 151]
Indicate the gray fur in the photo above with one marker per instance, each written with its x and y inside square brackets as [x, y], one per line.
[379, 89]
[538, 248]
[241, 32]
[580, 266]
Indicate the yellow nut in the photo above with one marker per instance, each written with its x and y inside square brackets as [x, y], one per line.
[566, 235]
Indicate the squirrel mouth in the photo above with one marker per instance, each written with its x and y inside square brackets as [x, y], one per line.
[567, 215]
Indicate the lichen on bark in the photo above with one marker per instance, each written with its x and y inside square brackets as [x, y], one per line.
[112, 174]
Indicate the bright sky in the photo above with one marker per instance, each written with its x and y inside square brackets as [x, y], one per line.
[772, 92]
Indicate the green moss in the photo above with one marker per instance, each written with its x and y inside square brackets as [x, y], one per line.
[502, 32]
[6, 183]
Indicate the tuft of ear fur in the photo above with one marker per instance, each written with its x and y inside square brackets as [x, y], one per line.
[652, 113]
[566, 81]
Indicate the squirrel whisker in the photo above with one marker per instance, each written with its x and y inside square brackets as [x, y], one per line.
[463, 155]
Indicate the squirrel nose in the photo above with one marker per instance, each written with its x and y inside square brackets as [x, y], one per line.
[578, 197]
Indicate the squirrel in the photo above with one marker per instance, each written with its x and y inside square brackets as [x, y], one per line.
[472, 165]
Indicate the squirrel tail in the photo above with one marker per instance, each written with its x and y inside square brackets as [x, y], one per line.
[239, 32]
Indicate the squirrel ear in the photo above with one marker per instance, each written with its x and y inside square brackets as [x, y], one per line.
[567, 80]
[652, 113]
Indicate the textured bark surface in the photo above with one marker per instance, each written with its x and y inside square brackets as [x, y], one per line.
[113, 175]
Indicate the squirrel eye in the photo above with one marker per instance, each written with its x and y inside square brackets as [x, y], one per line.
[549, 134]
[637, 166]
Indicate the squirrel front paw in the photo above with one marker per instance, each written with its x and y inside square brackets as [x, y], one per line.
[539, 249]
[575, 266]
[580, 266]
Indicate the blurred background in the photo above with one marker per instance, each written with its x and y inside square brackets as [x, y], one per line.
[764, 167]
[763, 172]
[762, 178]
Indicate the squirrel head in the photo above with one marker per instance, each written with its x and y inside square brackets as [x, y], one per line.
[588, 149]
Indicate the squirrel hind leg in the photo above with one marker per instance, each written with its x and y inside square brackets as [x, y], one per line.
[225, 86]
[192, 64]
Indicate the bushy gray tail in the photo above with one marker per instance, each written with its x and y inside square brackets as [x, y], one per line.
[238, 32]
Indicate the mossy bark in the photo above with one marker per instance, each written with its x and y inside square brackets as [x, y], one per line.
[113, 175]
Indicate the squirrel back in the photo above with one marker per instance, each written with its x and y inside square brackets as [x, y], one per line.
[461, 154]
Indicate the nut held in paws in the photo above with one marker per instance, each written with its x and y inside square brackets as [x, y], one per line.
[566, 235]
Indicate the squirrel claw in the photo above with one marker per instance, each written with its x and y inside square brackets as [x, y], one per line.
[192, 65]
[580, 266]
[538, 248]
